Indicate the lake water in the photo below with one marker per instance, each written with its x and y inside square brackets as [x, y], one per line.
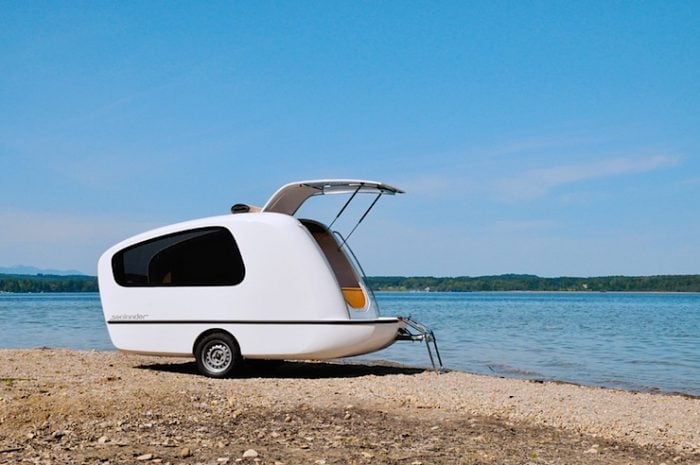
[631, 341]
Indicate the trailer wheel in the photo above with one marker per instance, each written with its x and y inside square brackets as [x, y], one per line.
[217, 355]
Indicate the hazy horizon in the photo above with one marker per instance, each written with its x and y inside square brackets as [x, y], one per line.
[34, 271]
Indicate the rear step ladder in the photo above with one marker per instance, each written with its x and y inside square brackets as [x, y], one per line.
[417, 331]
[420, 331]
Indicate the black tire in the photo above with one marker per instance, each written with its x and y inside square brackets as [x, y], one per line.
[217, 355]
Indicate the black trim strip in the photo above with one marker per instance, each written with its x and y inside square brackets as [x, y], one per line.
[252, 322]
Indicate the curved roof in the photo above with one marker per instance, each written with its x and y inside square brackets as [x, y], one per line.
[290, 197]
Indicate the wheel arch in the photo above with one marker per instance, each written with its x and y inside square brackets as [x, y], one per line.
[215, 331]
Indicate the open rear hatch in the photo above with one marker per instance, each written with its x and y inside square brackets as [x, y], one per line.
[289, 198]
[348, 271]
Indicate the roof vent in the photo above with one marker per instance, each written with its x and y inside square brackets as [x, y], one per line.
[244, 208]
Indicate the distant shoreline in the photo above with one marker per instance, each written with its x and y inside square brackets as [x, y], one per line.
[518, 282]
[17, 283]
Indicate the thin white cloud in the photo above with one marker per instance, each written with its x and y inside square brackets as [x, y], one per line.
[537, 183]
[53, 240]
[537, 145]
[523, 226]
[691, 181]
[53, 228]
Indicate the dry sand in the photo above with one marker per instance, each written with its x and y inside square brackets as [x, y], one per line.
[60, 406]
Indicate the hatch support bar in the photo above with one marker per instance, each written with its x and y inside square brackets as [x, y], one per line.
[376, 199]
[346, 204]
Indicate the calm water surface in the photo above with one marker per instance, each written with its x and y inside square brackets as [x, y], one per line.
[631, 341]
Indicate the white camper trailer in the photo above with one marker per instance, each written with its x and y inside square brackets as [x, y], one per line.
[255, 284]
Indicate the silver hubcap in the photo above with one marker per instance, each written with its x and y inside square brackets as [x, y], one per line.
[217, 357]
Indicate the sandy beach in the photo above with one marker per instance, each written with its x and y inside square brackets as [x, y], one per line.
[61, 406]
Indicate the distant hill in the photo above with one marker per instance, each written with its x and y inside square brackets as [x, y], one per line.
[32, 270]
[508, 282]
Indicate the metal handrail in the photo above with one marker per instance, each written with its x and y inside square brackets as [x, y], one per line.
[422, 332]
[425, 334]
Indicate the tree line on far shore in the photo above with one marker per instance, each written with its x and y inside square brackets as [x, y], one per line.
[19, 283]
[507, 282]
[524, 282]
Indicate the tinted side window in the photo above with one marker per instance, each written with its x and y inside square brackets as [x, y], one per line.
[199, 257]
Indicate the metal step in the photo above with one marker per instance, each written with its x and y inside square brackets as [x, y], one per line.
[416, 331]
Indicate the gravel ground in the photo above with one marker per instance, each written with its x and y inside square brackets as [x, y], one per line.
[65, 407]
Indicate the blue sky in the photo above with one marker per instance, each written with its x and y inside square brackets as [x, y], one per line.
[554, 138]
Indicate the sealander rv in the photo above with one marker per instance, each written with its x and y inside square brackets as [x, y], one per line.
[255, 284]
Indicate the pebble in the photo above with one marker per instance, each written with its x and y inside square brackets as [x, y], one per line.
[144, 457]
[609, 414]
[103, 440]
[185, 452]
[250, 453]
